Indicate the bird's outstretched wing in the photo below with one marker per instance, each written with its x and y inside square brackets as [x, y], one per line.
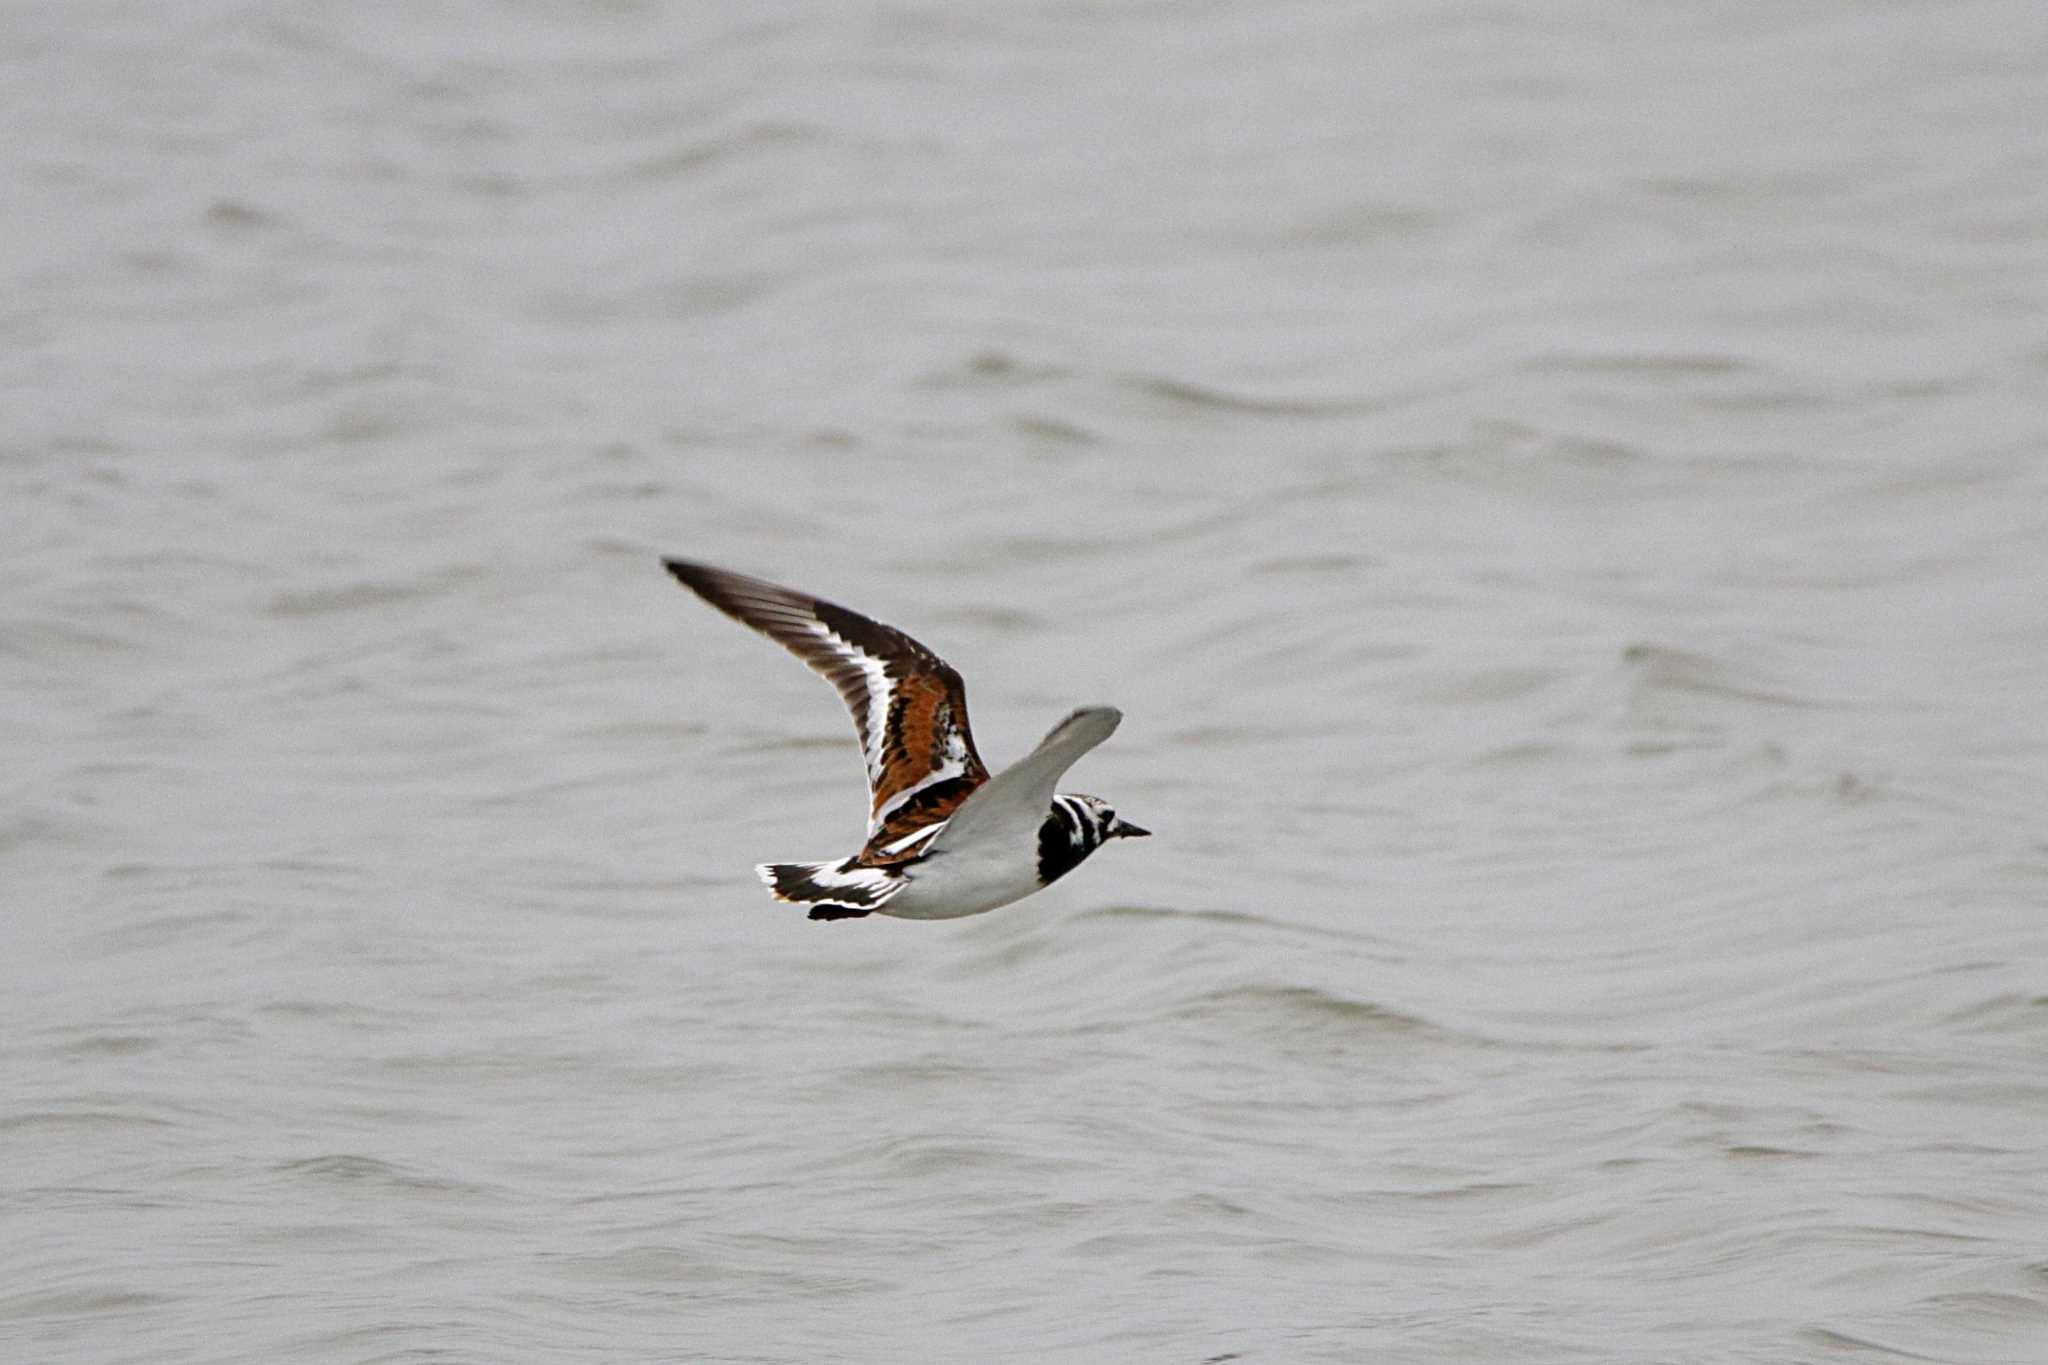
[908, 704]
[1013, 804]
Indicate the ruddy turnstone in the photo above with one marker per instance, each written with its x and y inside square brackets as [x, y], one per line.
[944, 838]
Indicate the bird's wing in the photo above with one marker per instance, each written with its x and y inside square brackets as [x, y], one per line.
[1012, 805]
[908, 704]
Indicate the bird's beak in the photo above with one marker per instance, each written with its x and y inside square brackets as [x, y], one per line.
[1124, 829]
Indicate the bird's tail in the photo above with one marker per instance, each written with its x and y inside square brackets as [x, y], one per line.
[833, 890]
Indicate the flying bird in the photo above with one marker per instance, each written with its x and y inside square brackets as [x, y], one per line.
[944, 838]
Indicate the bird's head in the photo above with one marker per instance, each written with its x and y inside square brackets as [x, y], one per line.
[1108, 824]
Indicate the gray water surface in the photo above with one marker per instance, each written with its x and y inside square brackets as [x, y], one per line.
[1560, 492]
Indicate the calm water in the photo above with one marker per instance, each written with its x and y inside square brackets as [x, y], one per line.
[1560, 492]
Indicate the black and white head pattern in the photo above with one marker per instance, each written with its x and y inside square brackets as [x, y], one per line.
[1074, 828]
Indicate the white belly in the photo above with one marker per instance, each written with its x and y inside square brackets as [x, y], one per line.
[960, 882]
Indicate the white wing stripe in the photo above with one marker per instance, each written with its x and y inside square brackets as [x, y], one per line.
[879, 689]
[907, 840]
[951, 768]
